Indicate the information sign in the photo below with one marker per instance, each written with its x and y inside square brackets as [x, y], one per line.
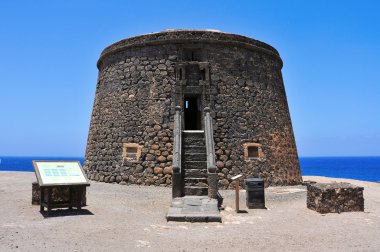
[59, 173]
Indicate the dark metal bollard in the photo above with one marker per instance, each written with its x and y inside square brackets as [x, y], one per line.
[255, 196]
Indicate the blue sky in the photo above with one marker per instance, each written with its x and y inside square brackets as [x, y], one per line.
[49, 49]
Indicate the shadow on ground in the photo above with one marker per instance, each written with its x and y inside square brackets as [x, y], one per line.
[66, 212]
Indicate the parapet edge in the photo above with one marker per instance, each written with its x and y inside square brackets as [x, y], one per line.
[189, 36]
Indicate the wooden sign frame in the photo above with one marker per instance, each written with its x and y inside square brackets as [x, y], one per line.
[40, 180]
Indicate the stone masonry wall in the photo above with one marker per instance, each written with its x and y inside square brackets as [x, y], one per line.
[132, 105]
[335, 197]
[251, 107]
[135, 100]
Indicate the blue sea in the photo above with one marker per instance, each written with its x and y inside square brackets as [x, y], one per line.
[360, 168]
[25, 163]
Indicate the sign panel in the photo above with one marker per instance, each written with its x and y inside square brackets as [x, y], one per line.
[59, 173]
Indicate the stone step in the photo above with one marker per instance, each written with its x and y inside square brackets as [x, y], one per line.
[195, 173]
[202, 182]
[196, 190]
[193, 141]
[196, 179]
[194, 209]
[195, 157]
[194, 165]
[194, 149]
[193, 133]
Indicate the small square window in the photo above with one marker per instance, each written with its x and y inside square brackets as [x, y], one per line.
[253, 152]
[131, 151]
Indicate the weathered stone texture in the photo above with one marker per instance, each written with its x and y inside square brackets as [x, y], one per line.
[36, 193]
[59, 194]
[137, 91]
[335, 197]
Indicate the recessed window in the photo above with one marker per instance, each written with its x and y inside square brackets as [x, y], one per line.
[203, 74]
[131, 151]
[179, 73]
[252, 151]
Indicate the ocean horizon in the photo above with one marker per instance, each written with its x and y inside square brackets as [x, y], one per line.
[359, 168]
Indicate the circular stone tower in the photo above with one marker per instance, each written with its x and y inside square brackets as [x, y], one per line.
[141, 81]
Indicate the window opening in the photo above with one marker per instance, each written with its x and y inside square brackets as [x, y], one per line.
[253, 152]
[203, 74]
[131, 151]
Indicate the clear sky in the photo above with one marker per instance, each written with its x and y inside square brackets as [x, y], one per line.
[49, 49]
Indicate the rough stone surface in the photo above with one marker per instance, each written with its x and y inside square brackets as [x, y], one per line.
[36, 193]
[334, 197]
[59, 194]
[139, 86]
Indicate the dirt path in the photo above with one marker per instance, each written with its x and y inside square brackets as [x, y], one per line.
[132, 218]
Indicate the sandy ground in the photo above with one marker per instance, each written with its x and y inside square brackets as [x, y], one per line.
[132, 218]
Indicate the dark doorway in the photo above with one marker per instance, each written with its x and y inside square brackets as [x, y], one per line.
[192, 113]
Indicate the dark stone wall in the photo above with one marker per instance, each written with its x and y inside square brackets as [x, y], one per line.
[137, 91]
[335, 197]
[251, 106]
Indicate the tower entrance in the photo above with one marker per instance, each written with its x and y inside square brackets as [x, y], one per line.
[192, 113]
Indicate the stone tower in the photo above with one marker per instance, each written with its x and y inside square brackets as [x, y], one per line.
[141, 81]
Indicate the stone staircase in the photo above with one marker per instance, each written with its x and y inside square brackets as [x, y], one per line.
[194, 181]
[194, 162]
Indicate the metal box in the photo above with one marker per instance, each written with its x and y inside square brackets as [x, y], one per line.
[255, 196]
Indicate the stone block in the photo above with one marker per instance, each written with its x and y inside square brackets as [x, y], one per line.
[168, 170]
[194, 209]
[157, 170]
[334, 197]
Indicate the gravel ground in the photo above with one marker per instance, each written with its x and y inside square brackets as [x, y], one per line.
[132, 218]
